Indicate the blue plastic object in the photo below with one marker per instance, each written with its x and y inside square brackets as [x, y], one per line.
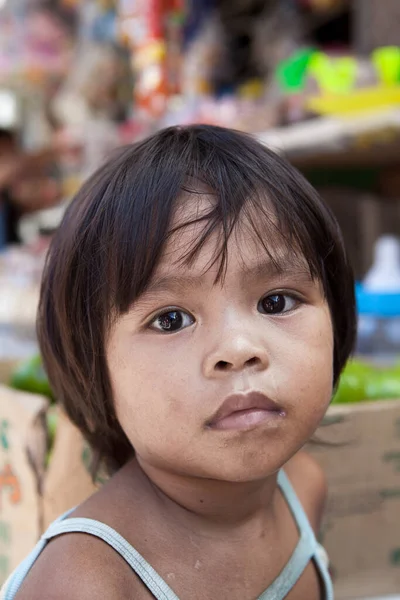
[380, 305]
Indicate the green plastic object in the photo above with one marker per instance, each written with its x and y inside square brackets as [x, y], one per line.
[386, 61]
[362, 382]
[352, 383]
[333, 75]
[291, 73]
[30, 376]
[384, 384]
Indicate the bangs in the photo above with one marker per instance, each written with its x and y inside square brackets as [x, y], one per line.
[248, 184]
[274, 234]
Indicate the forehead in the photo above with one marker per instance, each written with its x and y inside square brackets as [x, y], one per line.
[200, 238]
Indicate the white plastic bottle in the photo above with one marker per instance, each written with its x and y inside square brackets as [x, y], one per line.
[384, 274]
[378, 301]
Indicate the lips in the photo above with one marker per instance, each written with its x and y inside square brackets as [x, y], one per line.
[241, 411]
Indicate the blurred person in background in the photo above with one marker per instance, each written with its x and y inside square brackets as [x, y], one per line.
[26, 183]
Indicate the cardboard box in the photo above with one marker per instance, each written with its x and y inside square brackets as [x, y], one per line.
[67, 482]
[31, 495]
[22, 457]
[361, 531]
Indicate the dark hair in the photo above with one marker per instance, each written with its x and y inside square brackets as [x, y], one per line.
[113, 234]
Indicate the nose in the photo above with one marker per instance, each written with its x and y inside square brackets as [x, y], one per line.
[235, 352]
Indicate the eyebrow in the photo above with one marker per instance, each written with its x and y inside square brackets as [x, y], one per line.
[290, 265]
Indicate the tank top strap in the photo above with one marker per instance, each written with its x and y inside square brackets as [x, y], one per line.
[322, 562]
[291, 573]
[306, 533]
[153, 581]
[300, 517]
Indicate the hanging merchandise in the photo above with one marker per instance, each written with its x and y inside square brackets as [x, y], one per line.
[205, 49]
[35, 41]
[98, 21]
[10, 45]
[174, 23]
[145, 26]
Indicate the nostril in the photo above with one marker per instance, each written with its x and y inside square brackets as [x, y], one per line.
[252, 361]
[222, 365]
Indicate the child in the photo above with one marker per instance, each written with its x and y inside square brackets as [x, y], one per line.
[196, 311]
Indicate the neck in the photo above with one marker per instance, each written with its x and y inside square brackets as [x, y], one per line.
[208, 505]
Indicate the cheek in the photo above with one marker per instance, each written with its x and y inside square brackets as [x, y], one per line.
[149, 391]
[309, 359]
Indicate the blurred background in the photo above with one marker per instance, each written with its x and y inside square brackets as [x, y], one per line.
[318, 81]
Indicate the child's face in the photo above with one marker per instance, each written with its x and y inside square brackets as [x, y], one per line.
[257, 330]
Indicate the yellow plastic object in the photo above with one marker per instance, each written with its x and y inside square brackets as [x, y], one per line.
[363, 100]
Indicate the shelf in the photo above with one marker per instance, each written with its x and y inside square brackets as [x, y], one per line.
[367, 140]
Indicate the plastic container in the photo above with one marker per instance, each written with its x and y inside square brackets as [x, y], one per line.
[378, 302]
[378, 323]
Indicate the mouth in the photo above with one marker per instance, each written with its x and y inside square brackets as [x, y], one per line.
[245, 411]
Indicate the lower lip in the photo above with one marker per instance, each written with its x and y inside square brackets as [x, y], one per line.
[248, 419]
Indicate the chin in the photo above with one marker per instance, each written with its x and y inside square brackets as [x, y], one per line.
[247, 471]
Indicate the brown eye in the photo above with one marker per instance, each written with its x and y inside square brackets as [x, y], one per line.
[171, 321]
[276, 304]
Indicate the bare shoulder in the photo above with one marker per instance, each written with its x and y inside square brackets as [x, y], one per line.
[76, 566]
[81, 566]
[309, 482]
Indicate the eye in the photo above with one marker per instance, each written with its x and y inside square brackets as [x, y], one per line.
[277, 304]
[171, 321]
